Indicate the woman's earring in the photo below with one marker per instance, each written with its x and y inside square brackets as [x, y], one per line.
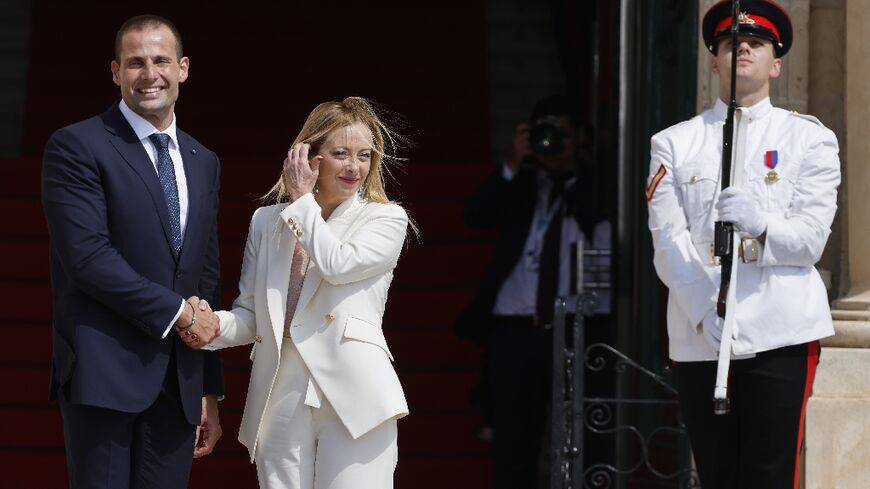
[316, 189]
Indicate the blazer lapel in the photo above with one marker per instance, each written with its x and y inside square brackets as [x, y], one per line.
[339, 223]
[130, 148]
[279, 255]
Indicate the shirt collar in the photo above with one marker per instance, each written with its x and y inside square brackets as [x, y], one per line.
[757, 111]
[143, 128]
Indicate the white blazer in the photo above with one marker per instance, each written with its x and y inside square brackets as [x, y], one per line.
[337, 323]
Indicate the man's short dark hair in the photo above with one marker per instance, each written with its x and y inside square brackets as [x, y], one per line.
[552, 106]
[146, 21]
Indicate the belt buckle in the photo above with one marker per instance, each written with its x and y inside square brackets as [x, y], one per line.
[749, 254]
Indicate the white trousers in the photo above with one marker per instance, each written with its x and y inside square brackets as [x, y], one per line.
[302, 447]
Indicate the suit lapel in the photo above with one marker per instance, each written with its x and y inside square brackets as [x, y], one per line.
[279, 255]
[196, 187]
[130, 148]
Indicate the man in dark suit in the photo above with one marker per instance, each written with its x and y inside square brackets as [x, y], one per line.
[131, 205]
[541, 207]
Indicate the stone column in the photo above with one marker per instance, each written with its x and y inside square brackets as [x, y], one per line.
[838, 414]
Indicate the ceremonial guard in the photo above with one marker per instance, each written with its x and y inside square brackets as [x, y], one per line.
[781, 201]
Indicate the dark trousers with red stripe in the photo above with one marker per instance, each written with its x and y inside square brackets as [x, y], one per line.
[756, 445]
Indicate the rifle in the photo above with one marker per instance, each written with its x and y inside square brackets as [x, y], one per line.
[724, 231]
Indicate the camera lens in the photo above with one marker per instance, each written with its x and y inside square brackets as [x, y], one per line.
[546, 138]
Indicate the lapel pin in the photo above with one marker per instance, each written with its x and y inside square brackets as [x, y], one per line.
[193, 151]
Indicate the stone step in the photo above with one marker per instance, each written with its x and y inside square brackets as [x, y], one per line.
[851, 315]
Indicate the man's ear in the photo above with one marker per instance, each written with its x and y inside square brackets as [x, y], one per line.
[714, 65]
[185, 67]
[115, 67]
[776, 68]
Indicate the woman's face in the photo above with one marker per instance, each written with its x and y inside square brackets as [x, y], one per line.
[347, 154]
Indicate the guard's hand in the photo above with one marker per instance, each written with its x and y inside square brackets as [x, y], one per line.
[300, 174]
[738, 206]
[711, 327]
[521, 147]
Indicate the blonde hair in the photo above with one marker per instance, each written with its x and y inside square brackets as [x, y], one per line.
[330, 116]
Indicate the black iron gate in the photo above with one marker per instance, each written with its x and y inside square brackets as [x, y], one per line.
[641, 420]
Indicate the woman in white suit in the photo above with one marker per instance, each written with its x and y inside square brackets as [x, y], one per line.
[323, 398]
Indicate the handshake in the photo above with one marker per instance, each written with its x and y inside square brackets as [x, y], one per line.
[198, 325]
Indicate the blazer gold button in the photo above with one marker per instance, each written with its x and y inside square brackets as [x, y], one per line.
[291, 221]
[693, 179]
[329, 316]
[258, 339]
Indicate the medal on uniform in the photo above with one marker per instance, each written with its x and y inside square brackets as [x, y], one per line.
[771, 158]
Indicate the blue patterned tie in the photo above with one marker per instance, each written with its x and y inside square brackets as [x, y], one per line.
[166, 172]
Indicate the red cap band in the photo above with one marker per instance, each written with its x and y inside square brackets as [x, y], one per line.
[757, 20]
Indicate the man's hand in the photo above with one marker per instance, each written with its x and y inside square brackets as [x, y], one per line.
[737, 205]
[209, 430]
[712, 329]
[205, 329]
[521, 147]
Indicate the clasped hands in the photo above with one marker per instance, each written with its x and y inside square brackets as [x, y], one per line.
[205, 327]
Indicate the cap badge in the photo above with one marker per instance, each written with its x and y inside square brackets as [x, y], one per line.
[744, 18]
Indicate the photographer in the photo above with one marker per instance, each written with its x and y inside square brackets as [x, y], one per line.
[542, 207]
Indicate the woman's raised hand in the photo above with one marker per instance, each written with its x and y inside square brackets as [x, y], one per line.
[300, 173]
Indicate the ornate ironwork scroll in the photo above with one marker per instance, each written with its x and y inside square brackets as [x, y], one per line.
[653, 443]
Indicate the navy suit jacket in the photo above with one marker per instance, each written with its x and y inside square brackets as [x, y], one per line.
[116, 282]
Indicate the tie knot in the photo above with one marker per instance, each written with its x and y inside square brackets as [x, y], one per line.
[160, 140]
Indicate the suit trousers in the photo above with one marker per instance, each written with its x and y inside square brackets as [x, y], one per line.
[520, 377]
[305, 447]
[108, 449]
[757, 445]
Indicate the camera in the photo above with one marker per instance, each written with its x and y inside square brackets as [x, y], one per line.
[546, 137]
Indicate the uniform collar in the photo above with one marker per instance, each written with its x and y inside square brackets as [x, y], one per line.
[757, 111]
[143, 128]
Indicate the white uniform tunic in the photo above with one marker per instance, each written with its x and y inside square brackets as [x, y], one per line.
[780, 298]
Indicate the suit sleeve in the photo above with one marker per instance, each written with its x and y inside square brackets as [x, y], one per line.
[798, 236]
[372, 250]
[676, 260]
[75, 209]
[209, 289]
[488, 203]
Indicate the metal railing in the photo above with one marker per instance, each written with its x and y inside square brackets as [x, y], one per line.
[653, 452]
